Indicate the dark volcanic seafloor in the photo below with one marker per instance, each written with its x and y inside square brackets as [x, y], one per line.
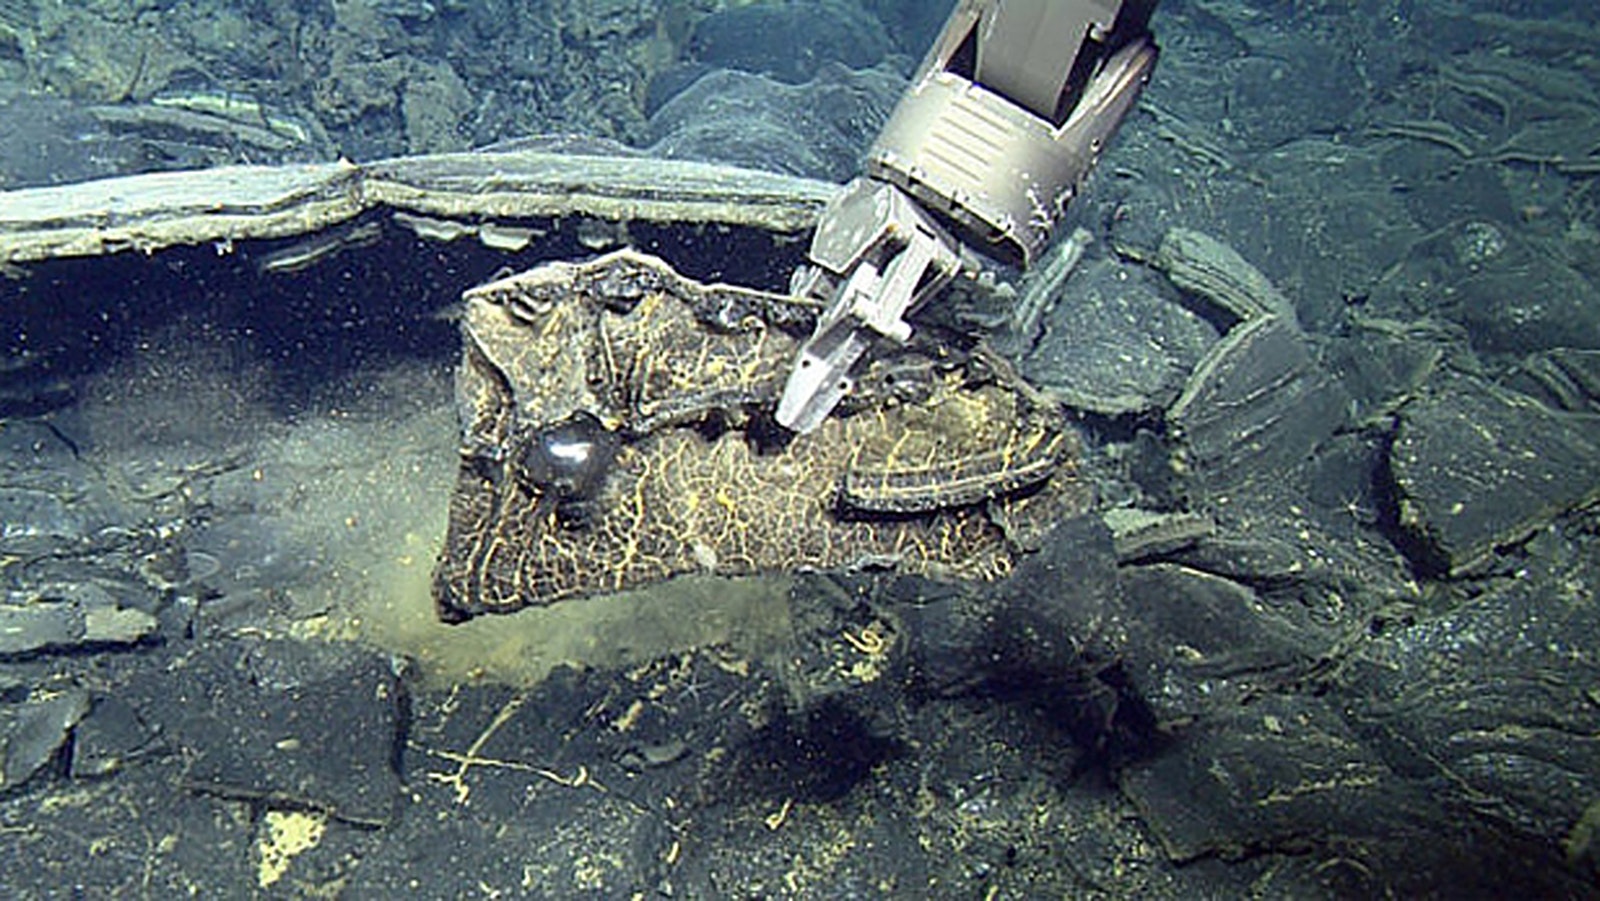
[1326, 335]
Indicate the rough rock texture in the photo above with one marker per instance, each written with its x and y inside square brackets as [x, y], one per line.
[817, 129]
[1478, 468]
[662, 387]
[284, 722]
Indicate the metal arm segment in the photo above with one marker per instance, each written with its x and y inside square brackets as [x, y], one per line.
[1003, 122]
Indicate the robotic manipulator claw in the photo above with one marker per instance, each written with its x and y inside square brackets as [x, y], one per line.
[995, 136]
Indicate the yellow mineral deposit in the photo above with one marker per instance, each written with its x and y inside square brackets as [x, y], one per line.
[285, 834]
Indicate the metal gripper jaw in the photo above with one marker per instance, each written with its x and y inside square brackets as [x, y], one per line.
[994, 138]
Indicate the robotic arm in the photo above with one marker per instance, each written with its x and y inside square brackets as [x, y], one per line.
[1000, 127]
